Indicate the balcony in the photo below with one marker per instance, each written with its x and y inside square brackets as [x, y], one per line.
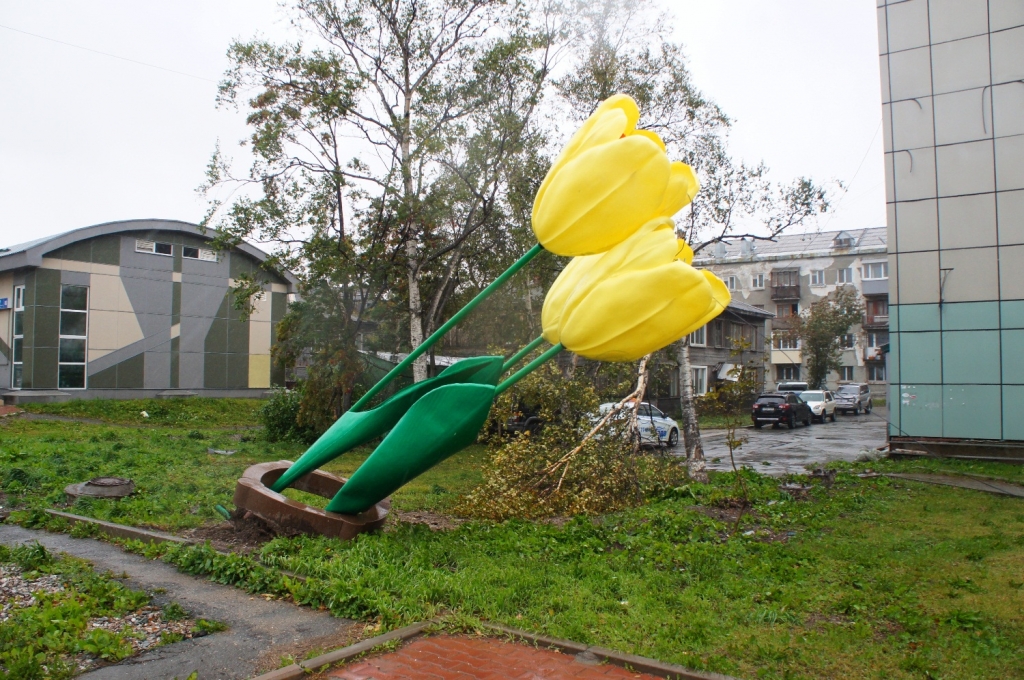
[873, 354]
[876, 321]
[874, 286]
[791, 292]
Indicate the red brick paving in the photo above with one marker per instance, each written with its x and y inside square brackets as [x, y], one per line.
[8, 410]
[447, 657]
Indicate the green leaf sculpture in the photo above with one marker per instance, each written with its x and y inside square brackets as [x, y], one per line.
[358, 427]
[441, 423]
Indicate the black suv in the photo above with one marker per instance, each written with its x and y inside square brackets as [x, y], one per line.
[780, 407]
[853, 398]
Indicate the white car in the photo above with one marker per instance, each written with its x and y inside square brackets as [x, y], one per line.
[656, 429]
[822, 403]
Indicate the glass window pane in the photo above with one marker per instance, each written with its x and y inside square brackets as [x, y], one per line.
[72, 350]
[18, 343]
[16, 379]
[19, 323]
[164, 249]
[72, 323]
[71, 376]
[190, 252]
[74, 297]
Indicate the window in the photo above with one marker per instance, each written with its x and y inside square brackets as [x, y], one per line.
[18, 337]
[876, 372]
[717, 334]
[786, 278]
[817, 277]
[846, 373]
[877, 311]
[700, 380]
[788, 309]
[698, 338]
[844, 275]
[878, 339]
[143, 246]
[731, 283]
[757, 282]
[198, 254]
[787, 372]
[875, 271]
[846, 341]
[785, 341]
[74, 306]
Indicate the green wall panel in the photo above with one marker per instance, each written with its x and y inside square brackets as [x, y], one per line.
[970, 357]
[47, 288]
[893, 404]
[175, 362]
[920, 357]
[969, 316]
[971, 411]
[1013, 412]
[919, 318]
[47, 327]
[238, 371]
[1013, 357]
[1012, 313]
[215, 370]
[217, 337]
[44, 368]
[921, 410]
[131, 372]
[238, 337]
[104, 380]
[107, 249]
[894, 358]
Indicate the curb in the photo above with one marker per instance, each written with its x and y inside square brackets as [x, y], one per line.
[120, 530]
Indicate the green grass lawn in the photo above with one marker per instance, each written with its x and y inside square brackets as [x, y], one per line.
[181, 412]
[872, 578]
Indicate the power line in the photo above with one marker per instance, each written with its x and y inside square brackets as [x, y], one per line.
[108, 54]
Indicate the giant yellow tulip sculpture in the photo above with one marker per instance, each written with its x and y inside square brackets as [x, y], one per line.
[630, 290]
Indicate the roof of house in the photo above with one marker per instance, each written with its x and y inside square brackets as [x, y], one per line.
[811, 244]
[749, 310]
[30, 253]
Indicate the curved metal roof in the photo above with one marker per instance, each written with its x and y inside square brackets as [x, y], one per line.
[30, 254]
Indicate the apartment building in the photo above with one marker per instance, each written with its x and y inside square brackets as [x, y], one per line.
[786, 276]
[952, 76]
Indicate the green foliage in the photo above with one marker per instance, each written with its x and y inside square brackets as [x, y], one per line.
[183, 412]
[821, 328]
[522, 479]
[279, 417]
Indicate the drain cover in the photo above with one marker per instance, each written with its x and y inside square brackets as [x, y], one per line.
[100, 487]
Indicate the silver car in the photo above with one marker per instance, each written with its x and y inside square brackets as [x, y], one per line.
[656, 428]
[822, 404]
[854, 397]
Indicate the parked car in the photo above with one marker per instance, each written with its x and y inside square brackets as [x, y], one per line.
[656, 428]
[524, 419]
[791, 387]
[853, 398]
[822, 404]
[780, 407]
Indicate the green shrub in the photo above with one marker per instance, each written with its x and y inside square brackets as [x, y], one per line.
[278, 417]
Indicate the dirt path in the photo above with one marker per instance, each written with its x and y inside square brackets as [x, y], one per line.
[260, 631]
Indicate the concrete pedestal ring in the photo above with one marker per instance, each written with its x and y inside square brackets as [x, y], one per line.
[253, 493]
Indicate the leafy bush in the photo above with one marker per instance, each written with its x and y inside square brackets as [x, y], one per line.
[522, 479]
[279, 417]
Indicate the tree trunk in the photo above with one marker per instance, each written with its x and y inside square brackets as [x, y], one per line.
[691, 429]
[419, 367]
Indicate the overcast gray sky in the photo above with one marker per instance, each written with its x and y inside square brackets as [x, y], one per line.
[87, 138]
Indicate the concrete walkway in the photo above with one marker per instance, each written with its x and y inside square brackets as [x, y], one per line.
[260, 631]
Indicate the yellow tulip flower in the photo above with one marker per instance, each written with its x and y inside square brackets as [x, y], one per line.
[608, 181]
[638, 297]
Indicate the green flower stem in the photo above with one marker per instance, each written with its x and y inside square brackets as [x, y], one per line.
[518, 356]
[439, 333]
[527, 369]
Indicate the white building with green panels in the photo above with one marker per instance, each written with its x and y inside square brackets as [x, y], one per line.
[952, 75]
[134, 309]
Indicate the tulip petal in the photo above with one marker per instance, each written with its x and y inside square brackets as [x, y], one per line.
[601, 197]
[637, 312]
[653, 136]
[683, 185]
[685, 252]
[561, 289]
[720, 299]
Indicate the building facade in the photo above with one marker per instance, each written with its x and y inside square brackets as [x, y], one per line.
[786, 276]
[952, 75]
[134, 309]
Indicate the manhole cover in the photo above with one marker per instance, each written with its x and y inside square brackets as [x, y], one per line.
[100, 487]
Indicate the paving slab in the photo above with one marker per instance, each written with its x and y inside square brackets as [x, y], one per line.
[986, 484]
[451, 657]
[259, 630]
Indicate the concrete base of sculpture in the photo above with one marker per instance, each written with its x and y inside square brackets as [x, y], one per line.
[253, 494]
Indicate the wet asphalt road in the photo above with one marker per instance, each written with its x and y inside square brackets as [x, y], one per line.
[783, 451]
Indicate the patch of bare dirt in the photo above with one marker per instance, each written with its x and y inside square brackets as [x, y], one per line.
[433, 520]
[240, 535]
